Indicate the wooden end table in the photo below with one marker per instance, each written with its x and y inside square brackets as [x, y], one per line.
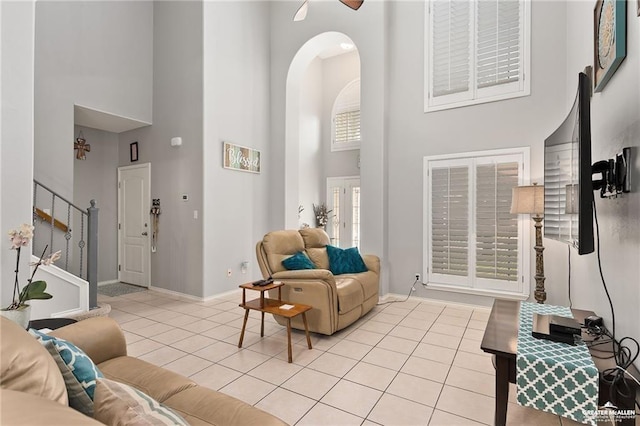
[275, 307]
[501, 339]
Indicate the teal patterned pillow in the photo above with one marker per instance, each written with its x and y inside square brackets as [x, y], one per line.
[298, 261]
[79, 372]
[345, 261]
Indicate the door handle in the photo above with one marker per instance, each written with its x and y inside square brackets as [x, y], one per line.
[145, 233]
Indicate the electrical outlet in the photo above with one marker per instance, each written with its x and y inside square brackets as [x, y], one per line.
[228, 272]
[417, 276]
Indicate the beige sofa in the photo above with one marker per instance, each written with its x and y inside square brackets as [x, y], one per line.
[337, 301]
[33, 389]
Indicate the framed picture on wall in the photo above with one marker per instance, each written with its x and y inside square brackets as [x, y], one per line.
[610, 40]
[236, 157]
[133, 151]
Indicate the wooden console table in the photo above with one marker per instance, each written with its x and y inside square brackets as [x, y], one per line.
[501, 339]
[275, 307]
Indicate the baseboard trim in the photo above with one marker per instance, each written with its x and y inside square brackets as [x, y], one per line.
[221, 295]
[176, 293]
[190, 297]
[403, 297]
[101, 283]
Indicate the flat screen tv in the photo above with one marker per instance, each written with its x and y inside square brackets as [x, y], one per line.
[568, 190]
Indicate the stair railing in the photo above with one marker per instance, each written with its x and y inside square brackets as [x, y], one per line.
[56, 220]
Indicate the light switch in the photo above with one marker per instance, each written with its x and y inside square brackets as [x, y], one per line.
[195, 214]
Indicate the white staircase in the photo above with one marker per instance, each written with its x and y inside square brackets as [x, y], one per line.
[70, 293]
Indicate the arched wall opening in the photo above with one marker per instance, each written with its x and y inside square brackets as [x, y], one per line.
[302, 130]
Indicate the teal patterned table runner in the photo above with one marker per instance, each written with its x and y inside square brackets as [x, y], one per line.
[554, 377]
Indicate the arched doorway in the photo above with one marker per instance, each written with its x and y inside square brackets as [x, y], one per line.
[310, 87]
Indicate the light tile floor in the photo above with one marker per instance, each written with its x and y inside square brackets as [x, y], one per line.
[404, 363]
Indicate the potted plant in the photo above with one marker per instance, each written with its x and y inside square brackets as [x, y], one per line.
[19, 310]
[322, 215]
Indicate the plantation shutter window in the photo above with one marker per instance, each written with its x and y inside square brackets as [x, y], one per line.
[472, 241]
[477, 51]
[496, 227]
[449, 220]
[451, 47]
[347, 126]
[498, 51]
[346, 118]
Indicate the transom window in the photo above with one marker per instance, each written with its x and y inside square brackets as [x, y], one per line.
[472, 242]
[476, 51]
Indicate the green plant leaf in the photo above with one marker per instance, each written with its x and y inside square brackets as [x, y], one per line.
[35, 290]
[39, 296]
[37, 286]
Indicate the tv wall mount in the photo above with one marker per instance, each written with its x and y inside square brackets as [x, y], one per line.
[615, 173]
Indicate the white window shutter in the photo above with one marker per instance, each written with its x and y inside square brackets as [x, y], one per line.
[346, 118]
[499, 34]
[449, 220]
[476, 51]
[496, 227]
[451, 47]
[347, 126]
[472, 241]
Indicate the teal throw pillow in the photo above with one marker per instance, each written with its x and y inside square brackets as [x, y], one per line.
[345, 261]
[79, 371]
[298, 261]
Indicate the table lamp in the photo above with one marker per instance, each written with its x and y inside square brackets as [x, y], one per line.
[530, 200]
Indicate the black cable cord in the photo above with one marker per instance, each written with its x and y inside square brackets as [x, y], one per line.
[604, 284]
[411, 290]
[569, 277]
[624, 357]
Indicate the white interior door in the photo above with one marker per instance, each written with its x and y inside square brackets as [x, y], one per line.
[134, 188]
[343, 198]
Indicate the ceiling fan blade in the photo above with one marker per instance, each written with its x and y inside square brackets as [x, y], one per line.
[302, 11]
[353, 4]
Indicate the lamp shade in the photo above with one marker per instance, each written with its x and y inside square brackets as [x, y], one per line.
[527, 199]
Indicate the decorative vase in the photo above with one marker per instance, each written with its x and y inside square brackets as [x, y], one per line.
[20, 316]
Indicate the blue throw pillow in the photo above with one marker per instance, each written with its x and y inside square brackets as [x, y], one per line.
[298, 261]
[79, 371]
[345, 261]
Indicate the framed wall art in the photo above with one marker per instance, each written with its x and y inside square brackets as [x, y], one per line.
[133, 151]
[610, 40]
[241, 158]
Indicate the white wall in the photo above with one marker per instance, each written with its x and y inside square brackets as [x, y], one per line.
[96, 179]
[97, 54]
[338, 71]
[16, 133]
[237, 110]
[311, 160]
[414, 134]
[615, 123]
[321, 83]
[177, 111]
[367, 28]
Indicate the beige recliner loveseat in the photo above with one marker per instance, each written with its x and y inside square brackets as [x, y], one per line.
[337, 300]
